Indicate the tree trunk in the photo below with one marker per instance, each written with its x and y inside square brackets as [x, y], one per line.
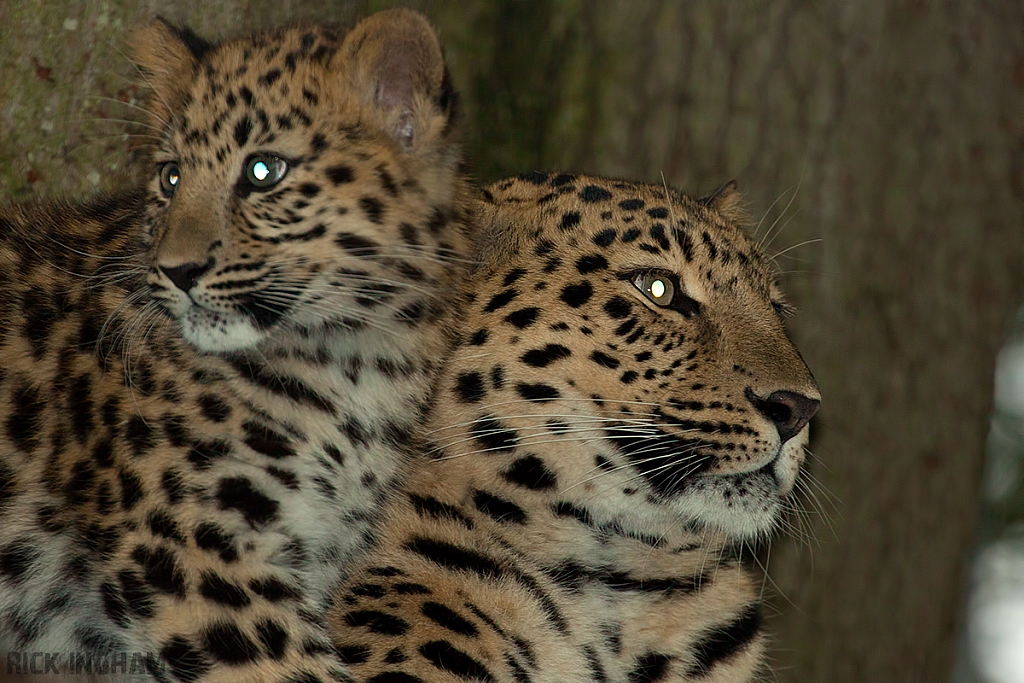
[893, 133]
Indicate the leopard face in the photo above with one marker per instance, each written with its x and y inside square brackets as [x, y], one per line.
[657, 320]
[287, 188]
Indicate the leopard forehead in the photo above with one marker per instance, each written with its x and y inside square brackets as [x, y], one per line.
[259, 91]
[626, 226]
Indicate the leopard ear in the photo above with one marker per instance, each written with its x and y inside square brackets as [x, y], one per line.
[167, 57]
[395, 61]
[727, 201]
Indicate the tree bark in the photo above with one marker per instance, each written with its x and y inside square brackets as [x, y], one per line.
[892, 133]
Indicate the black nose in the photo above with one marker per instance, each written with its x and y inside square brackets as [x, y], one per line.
[184, 276]
[788, 410]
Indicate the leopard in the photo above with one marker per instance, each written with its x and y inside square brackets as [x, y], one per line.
[209, 377]
[624, 411]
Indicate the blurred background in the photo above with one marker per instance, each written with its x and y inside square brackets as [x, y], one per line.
[880, 145]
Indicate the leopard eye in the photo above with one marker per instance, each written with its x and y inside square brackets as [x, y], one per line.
[658, 287]
[664, 290]
[263, 171]
[169, 177]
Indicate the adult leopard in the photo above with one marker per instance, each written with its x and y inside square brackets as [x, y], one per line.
[207, 386]
[624, 409]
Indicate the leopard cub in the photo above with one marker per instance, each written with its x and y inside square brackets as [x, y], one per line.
[208, 385]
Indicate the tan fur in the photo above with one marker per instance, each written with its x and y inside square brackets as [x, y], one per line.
[596, 460]
[187, 461]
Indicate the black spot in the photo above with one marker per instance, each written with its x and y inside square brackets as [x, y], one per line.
[499, 509]
[271, 76]
[541, 358]
[628, 377]
[719, 644]
[470, 387]
[533, 177]
[185, 662]
[377, 622]
[500, 300]
[357, 245]
[530, 472]
[523, 318]
[273, 590]
[590, 263]
[604, 360]
[228, 643]
[479, 338]
[537, 392]
[593, 193]
[513, 275]
[131, 489]
[570, 219]
[650, 668]
[309, 189]
[454, 557]
[494, 437]
[160, 569]
[81, 405]
[139, 435]
[15, 560]
[395, 656]
[273, 638]
[214, 408]
[373, 208]
[428, 506]
[318, 143]
[162, 524]
[449, 619]
[631, 204]
[209, 536]
[498, 377]
[79, 484]
[355, 431]
[578, 294]
[617, 307]
[223, 592]
[23, 423]
[410, 588]
[658, 212]
[340, 174]
[175, 431]
[353, 654]
[265, 440]
[238, 493]
[202, 454]
[446, 657]
[369, 590]
[243, 129]
[605, 237]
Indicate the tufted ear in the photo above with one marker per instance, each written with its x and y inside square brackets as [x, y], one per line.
[727, 201]
[167, 57]
[395, 60]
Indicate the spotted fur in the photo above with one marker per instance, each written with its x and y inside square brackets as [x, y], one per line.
[597, 457]
[207, 386]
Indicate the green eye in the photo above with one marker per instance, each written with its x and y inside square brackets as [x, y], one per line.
[658, 287]
[169, 177]
[263, 170]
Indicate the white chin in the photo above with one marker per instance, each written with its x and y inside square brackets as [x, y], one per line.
[746, 516]
[214, 334]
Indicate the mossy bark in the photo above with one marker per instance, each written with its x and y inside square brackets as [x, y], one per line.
[892, 133]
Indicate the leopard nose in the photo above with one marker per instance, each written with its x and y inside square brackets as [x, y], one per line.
[788, 411]
[185, 276]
